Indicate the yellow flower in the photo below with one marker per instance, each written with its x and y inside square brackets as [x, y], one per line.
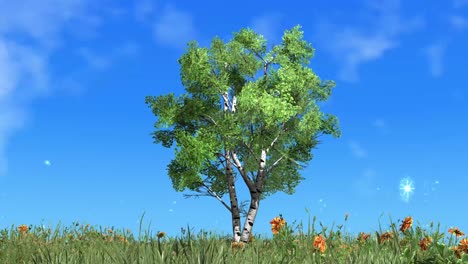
[407, 223]
[320, 243]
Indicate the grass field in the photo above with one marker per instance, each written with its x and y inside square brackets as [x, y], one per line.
[402, 243]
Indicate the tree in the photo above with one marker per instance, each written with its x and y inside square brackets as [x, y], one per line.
[234, 125]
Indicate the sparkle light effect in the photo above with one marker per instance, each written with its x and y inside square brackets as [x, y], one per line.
[406, 189]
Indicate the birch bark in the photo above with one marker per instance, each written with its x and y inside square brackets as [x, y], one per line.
[236, 233]
[255, 200]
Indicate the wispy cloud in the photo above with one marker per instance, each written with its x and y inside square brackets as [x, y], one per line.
[354, 45]
[357, 150]
[268, 25]
[98, 62]
[379, 123]
[174, 27]
[435, 55]
[29, 32]
[365, 185]
[460, 3]
[458, 22]
[144, 9]
[101, 61]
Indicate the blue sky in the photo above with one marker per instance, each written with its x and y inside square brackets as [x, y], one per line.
[75, 140]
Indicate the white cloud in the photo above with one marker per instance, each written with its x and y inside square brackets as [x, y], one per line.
[365, 185]
[269, 26]
[460, 3]
[174, 28]
[144, 9]
[96, 61]
[104, 61]
[435, 54]
[379, 123]
[357, 150]
[29, 32]
[458, 22]
[47, 162]
[353, 45]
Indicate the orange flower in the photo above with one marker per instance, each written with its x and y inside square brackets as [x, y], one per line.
[385, 236]
[363, 237]
[235, 245]
[23, 229]
[457, 251]
[320, 243]
[276, 224]
[406, 224]
[122, 239]
[161, 234]
[425, 242]
[455, 231]
[463, 245]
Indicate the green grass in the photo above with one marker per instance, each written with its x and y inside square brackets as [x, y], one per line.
[90, 245]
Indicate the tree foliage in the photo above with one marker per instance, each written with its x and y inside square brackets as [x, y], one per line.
[276, 98]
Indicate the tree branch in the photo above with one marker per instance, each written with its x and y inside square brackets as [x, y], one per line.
[251, 151]
[211, 193]
[279, 134]
[291, 159]
[209, 118]
[244, 175]
[274, 164]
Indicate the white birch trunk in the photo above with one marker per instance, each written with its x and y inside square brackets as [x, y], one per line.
[255, 200]
[236, 233]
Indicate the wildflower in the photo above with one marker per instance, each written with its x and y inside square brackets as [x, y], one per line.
[161, 234]
[235, 245]
[463, 245]
[110, 231]
[425, 242]
[276, 224]
[457, 251]
[320, 243]
[385, 236]
[455, 231]
[406, 224]
[363, 237]
[23, 229]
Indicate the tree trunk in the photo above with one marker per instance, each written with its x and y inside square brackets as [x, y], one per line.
[236, 233]
[249, 221]
[255, 200]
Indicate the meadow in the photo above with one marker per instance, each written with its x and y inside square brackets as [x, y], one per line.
[402, 243]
